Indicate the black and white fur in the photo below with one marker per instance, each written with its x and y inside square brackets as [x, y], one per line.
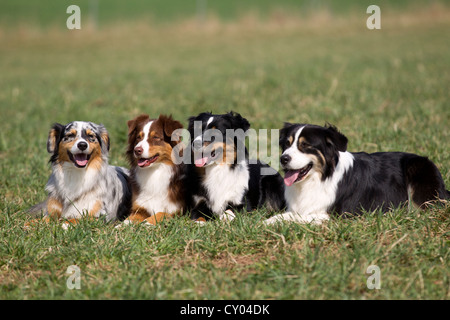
[323, 178]
[223, 187]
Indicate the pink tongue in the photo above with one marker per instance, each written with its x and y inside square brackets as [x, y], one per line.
[81, 159]
[142, 162]
[200, 162]
[290, 177]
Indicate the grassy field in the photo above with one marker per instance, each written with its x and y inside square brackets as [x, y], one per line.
[387, 90]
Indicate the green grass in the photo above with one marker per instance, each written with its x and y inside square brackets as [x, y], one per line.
[387, 90]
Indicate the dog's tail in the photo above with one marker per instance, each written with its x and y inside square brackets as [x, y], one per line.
[424, 179]
[38, 209]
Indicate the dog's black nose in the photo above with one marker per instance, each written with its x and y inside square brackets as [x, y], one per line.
[285, 159]
[82, 145]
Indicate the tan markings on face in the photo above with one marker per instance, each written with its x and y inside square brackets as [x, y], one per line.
[66, 144]
[228, 152]
[157, 145]
[301, 142]
[91, 136]
[164, 151]
[290, 140]
[318, 160]
[64, 148]
[96, 161]
[91, 139]
[155, 136]
[317, 164]
[323, 161]
[206, 143]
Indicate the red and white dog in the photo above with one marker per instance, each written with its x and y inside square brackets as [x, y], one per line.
[158, 183]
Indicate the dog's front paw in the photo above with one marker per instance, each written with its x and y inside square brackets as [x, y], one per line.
[65, 225]
[157, 218]
[126, 222]
[314, 218]
[200, 221]
[272, 221]
[228, 215]
[69, 223]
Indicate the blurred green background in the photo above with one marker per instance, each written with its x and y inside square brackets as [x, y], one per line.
[51, 12]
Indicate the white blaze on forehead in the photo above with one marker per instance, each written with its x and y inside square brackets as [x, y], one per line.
[78, 126]
[296, 137]
[209, 121]
[199, 137]
[298, 158]
[144, 142]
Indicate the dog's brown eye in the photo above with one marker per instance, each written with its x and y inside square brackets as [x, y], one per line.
[304, 144]
[157, 138]
[91, 138]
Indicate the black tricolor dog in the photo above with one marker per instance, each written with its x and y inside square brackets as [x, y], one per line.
[322, 177]
[226, 179]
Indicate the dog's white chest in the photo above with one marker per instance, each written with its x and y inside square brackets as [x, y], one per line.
[154, 189]
[315, 195]
[74, 182]
[83, 206]
[226, 186]
[312, 196]
[78, 190]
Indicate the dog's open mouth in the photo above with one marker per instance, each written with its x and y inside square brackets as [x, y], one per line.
[201, 162]
[145, 162]
[292, 176]
[80, 160]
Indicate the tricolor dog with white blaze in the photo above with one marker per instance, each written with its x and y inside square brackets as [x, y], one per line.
[322, 178]
[82, 182]
[227, 181]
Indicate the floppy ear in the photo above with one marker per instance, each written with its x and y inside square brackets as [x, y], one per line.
[169, 126]
[132, 125]
[54, 137]
[336, 138]
[240, 121]
[104, 136]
